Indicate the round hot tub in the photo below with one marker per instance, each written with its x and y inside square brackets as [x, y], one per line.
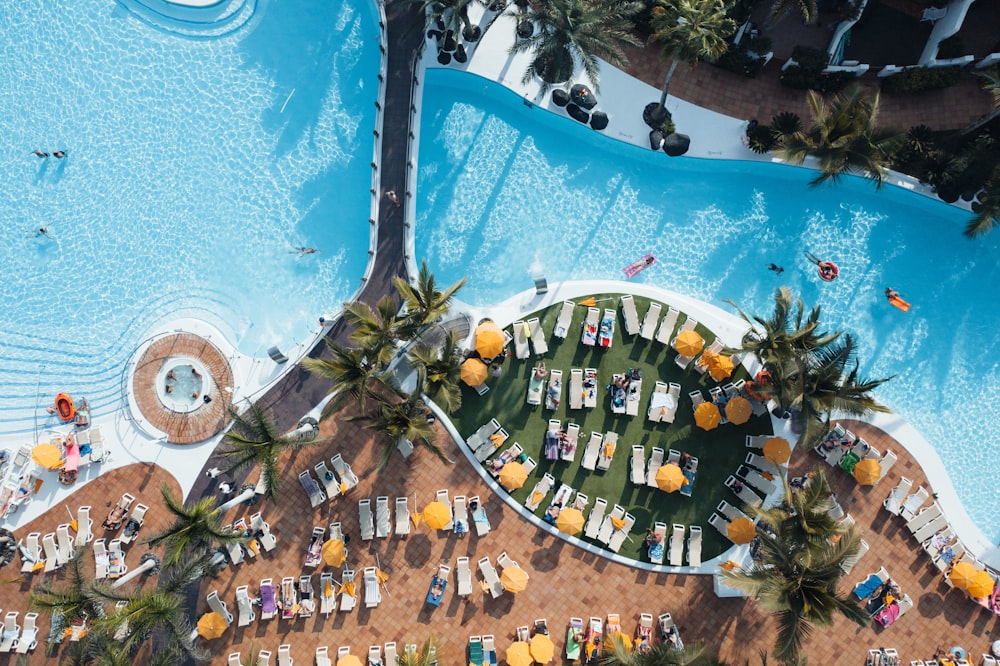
[182, 384]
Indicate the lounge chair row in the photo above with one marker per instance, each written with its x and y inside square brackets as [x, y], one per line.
[331, 486]
[841, 448]
[673, 549]
[18, 639]
[491, 584]
[378, 655]
[258, 536]
[523, 331]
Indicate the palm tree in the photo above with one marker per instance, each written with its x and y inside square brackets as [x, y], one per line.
[802, 553]
[425, 304]
[453, 14]
[353, 373]
[375, 330]
[254, 440]
[71, 598]
[844, 137]
[577, 31]
[196, 529]
[425, 656]
[988, 214]
[690, 30]
[402, 419]
[782, 8]
[658, 654]
[991, 84]
[441, 367]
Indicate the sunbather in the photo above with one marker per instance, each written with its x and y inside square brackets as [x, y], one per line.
[497, 463]
[552, 513]
[540, 371]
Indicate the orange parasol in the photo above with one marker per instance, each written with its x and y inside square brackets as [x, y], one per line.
[211, 625]
[474, 371]
[981, 585]
[720, 367]
[542, 650]
[349, 660]
[962, 574]
[570, 521]
[513, 475]
[47, 455]
[867, 471]
[777, 450]
[688, 343]
[436, 515]
[741, 530]
[707, 416]
[514, 579]
[334, 553]
[518, 654]
[609, 641]
[670, 478]
[738, 410]
[489, 339]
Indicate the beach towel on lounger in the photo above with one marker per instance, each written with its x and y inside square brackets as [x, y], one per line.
[888, 615]
[867, 587]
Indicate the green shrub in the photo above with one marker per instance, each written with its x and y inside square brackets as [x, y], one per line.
[808, 68]
[739, 61]
[785, 123]
[760, 139]
[919, 79]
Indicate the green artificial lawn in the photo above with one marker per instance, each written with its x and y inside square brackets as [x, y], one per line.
[719, 451]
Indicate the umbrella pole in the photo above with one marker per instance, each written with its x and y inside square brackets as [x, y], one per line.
[378, 565]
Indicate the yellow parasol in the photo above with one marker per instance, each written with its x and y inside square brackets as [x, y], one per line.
[777, 450]
[347, 588]
[670, 478]
[211, 625]
[962, 574]
[513, 475]
[415, 517]
[518, 654]
[609, 643]
[348, 660]
[981, 585]
[514, 579]
[37, 566]
[688, 343]
[738, 410]
[382, 577]
[588, 302]
[489, 339]
[707, 416]
[720, 367]
[867, 471]
[334, 553]
[570, 521]
[47, 455]
[741, 531]
[541, 648]
[473, 371]
[436, 515]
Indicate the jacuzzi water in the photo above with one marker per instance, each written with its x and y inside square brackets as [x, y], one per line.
[194, 169]
[506, 191]
[185, 386]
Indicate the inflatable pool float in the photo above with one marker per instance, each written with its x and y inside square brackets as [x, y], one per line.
[64, 407]
[899, 303]
[828, 270]
[639, 265]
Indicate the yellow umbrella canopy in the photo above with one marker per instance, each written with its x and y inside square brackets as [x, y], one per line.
[569, 521]
[513, 475]
[349, 660]
[541, 648]
[688, 343]
[981, 585]
[47, 455]
[609, 641]
[720, 367]
[707, 416]
[741, 530]
[962, 574]
[867, 471]
[777, 450]
[514, 579]
[436, 515]
[211, 625]
[474, 371]
[518, 654]
[670, 478]
[489, 339]
[738, 410]
[333, 552]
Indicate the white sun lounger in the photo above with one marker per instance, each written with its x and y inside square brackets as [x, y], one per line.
[590, 388]
[888, 460]
[315, 493]
[666, 331]
[327, 594]
[590, 325]
[649, 321]
[491, 577]
[521, 349]
[373, 594]
[746, 495]
[64, 551]
[539, 492]
[848, 564]
[923, 518]
[553, 392]
[285, 654]
[11, 632]
[576, 388]
[491, 445]
[629, 314]
[913, 503]
[84, 525]
[565, 319]
[460, 515]
[637, 472]
[464, 575]
[537, 337]
[655, 462]
[137, 518]
[607, 451]
[619, 535]
[694, 546]
[101, 560]
[568, 453]
[347, 601]
[894, 502]
[33, 546]
[267, 540]
[264, 658]
[322, 656]
[29, 634]
[655, 412]
[366, 519]
[51, 552]
[402, 516]
[479, 517]
[219, 606]
[347, 476]
[383, 527]
[677, 546]
[391, 656]
[596, 518]
[701, 366]
[607, 527]
[659, 529]
[763, 464]
[327, 478]
[931, 528]
[592, 451]
[479, 437]
[756, 480]
[720, 524]
[244, 606]
[633, 395]
[375, 655]
[730, 511]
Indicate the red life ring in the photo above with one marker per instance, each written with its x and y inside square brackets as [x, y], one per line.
[828, 271]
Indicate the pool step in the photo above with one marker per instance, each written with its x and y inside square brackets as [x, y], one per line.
[211, 21]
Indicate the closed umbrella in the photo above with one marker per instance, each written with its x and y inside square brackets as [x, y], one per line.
[707, 416]
[436, 515]
[474, 371]
[47, 455]
[720, 367]
[688, 343]
[741, 531]
[777, 450]
[962, 575]
[489, 339]
[670, 478]
[334, 553]
[518, 654]
[211, 625]
[738, 410]
[513, 475]
[867, 471]
[570, 521]
[981, 585]
[542, 650]
[514, 579]
[349, 660]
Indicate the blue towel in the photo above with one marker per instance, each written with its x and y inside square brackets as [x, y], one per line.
[867, 587]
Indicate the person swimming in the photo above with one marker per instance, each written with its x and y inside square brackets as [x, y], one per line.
[778, 270]
[304, 250]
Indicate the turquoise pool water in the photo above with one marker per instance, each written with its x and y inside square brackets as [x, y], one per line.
[194, 168]
[506, 191]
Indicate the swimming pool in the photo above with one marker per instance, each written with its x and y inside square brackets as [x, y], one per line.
[194, 169]
[506, 191]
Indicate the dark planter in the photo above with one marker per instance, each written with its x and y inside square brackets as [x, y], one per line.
[460, 55]
[599, 120]
[676, 145]
[472, 33]
[444, 58]
[449, 41]
[582, 96]
[654, 115]
[576, 113]
[560, 97]
[656, 139]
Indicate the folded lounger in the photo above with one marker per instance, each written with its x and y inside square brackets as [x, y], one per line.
[629, 314]
[565, 319]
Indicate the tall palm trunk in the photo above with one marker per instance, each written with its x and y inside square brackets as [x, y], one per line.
[666, 85]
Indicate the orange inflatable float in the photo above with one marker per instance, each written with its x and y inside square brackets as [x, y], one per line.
[64, 407]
